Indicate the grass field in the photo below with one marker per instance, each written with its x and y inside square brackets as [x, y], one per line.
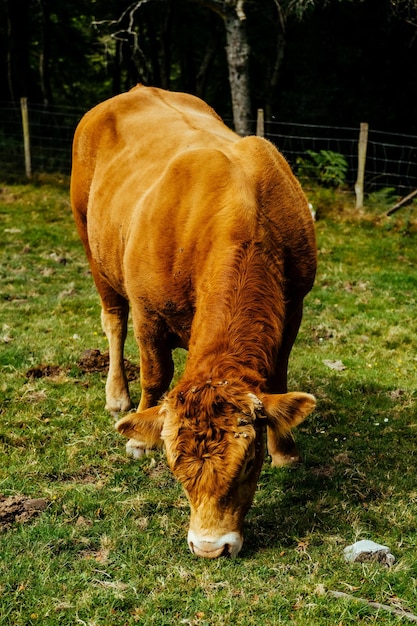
[109, 547]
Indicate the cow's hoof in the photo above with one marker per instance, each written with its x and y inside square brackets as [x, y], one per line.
[116, 415]
[136, 449]
[285, 460]
[118, 405]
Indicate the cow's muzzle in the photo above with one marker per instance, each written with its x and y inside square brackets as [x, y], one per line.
[210, 547]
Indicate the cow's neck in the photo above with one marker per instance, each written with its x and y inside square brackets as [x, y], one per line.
[238, 324]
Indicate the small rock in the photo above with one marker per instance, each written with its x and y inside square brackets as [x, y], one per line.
[366, 550]
[339, 366]
[58, 258]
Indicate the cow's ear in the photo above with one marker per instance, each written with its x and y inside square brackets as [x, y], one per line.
[145, 426]
[284, 411]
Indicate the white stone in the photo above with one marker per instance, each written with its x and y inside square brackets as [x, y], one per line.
[366, 550]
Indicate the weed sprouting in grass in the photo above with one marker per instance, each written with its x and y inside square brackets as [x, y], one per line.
[110, 546]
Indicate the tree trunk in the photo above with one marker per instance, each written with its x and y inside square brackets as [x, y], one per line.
[237, 50]
[45, 52]
[272, 88]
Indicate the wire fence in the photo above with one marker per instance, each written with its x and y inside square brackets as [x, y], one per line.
[391, 158]
[51, 131]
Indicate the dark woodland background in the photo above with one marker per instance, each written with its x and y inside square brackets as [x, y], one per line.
[338, 62]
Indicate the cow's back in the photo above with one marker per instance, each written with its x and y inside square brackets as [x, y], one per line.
[122, 150]
[161, 188]
[134, 135]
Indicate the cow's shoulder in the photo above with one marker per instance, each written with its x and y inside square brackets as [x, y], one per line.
[279, 192]
[262, 158]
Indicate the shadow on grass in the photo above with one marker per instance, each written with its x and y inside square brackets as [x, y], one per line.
[355, 471]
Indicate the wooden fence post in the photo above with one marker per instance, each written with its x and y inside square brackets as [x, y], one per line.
[363, 142]
[26, 136]
[260, 123]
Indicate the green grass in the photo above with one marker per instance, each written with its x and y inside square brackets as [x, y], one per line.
[110, 549]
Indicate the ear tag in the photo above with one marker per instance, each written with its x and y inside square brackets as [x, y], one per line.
[258, 406]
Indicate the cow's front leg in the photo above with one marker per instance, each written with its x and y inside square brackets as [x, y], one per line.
[114, 322]
[282, 448]
[156, 371]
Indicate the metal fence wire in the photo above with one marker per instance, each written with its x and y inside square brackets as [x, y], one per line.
[391, 158]
[51, 131]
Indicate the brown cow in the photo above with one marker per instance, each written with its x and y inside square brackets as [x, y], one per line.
[209, 237]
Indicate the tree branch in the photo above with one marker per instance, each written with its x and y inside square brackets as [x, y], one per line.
[217, 6]
[405, 9]
[402, 202]
[376, 605]
[222, 7]
[239, 9]
[281, 16]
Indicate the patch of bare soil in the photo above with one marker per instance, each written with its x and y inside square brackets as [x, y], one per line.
[91, 360]
[19, 509]
[43, 371]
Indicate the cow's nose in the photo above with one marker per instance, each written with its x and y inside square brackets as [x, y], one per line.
[211, 548]
[205, 549]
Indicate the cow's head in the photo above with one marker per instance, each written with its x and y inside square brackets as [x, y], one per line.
[213, 437]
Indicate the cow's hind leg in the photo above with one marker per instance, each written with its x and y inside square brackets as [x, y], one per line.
[114, 307]
[282, 449]
[114, 316]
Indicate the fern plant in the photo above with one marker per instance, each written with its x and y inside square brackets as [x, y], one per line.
[326, 167]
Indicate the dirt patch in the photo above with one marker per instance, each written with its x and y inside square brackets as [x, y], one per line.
[91, 360]
[94, 361]
[19, 509]
[43, 371]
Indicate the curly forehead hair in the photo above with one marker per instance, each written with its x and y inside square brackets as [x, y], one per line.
[211, 400]
[212, 421]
